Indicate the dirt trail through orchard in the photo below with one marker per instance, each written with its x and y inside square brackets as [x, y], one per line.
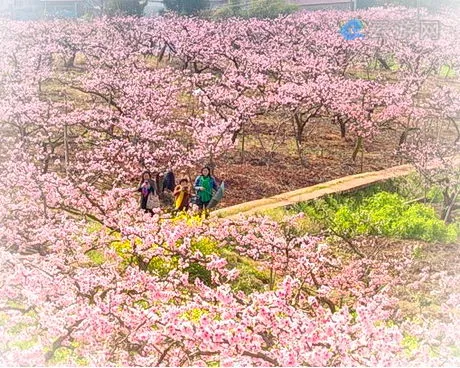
[316, 191]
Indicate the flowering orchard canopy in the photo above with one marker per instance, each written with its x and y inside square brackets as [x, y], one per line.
[86, 106]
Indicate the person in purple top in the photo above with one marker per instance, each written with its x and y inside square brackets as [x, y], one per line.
[146, 187]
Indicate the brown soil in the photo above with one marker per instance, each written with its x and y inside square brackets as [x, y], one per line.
[432, 258]
[423, 302]
[264, 174]
[343, 184]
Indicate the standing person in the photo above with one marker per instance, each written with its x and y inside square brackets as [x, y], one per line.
[167, 187]
[169, 181]
[182, 195]
[147, 188]
[204, 185]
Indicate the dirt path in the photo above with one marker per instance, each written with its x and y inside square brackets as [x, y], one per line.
[316, 191]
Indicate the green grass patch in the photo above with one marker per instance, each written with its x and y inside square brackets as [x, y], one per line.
[410, 344]
[25, 345]
[276, 214]
[66, 356]
[206, 246]
[162, 267]
[447, 71]
[380, 213]
[96, 257]
[194, 314]
[252, 277]
[198, 271]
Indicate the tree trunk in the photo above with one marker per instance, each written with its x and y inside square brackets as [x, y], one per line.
[303, 162]
[449, 205]
[403, 137]
[242, 143]
[211, 163]
[66, 150]
[235, 135]
[343, 129]
[457, 130]
[299, 126]
[162, 54]
[383, 63]
[70, 63]
[358, 147]
[66, 142]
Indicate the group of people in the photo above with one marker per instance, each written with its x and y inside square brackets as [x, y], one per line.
[184, 195]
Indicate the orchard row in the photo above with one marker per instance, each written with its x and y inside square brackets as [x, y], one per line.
[85, 106]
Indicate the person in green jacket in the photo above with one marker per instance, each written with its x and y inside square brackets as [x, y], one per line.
[204, 186]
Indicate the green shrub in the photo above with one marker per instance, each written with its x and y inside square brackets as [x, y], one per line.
[251, 278]
[410, 344]
[96, 256]
[384, 214]
[162, 267]
[205, 245]
[195, 270]
[434, 195]
[348, 222]
[194, 314]
[420, 222]
[447, 71]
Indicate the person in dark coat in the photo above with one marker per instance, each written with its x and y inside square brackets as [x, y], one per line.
[169, 181]
[168, 184]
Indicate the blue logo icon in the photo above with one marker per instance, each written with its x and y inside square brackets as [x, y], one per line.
[350, 30]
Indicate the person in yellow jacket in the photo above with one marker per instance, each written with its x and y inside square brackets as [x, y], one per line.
[182, 195]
